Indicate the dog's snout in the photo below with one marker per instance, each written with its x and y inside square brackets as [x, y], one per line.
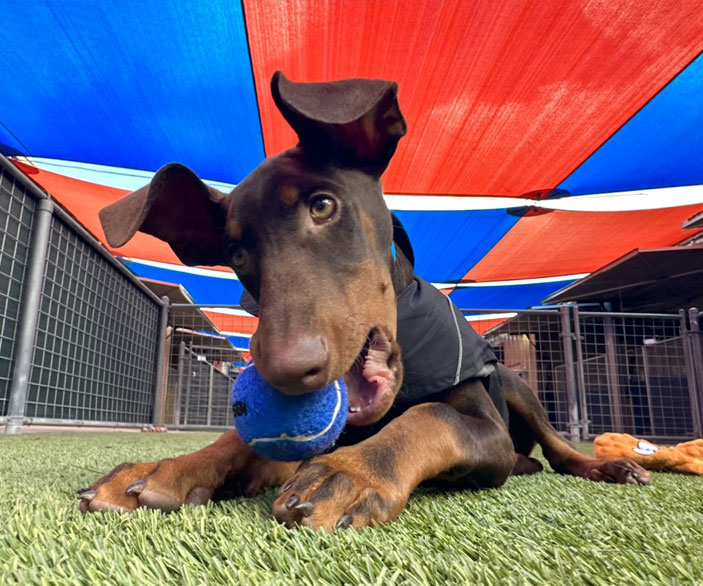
[295, 368]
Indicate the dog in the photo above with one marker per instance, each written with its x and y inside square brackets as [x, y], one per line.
[329, 271]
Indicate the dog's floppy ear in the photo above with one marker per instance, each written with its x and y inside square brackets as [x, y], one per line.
[356, 120]
[176, 207]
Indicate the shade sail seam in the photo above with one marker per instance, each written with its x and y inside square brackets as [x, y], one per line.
[632, 117]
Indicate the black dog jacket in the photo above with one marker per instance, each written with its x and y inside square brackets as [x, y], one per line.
[439, 347]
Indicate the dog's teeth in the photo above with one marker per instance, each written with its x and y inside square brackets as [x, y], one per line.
[354, 409]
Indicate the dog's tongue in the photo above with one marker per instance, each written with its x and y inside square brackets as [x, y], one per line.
[368, 381]
[376, 366]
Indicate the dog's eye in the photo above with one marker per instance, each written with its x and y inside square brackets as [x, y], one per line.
[322, 207]
[239, 257]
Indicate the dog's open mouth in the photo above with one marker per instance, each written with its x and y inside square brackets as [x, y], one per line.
[373, 379]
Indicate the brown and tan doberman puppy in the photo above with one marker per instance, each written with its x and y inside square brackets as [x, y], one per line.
[329, 271]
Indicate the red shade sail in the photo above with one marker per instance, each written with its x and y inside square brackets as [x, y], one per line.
[501, 98]
[563, 243]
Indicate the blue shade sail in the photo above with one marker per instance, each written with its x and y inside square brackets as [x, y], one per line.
[448, 244]
[130, 84]
[505, 296]
[661, 146]
[239, 342]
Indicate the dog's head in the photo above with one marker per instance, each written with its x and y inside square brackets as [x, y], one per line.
[309, 236]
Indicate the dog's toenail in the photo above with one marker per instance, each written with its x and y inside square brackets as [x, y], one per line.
[292, 501]
[344, 522]
[287, 486]
[136, 488]
[86, 494]
[305, 508]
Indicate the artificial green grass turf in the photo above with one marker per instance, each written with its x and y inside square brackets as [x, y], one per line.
[541, 529]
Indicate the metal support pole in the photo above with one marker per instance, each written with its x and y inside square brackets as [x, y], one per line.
[210, 389]
[29, 316]
[181, 373]
[160, 373]
[696, 393]
[613, 374]
[567, 340]
[581, 378]
[687, 339]
[189, 378]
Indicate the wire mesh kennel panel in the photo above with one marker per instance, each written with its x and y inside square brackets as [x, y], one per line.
[634, 377]
[16, 215]
[96, 342]
[530, 343]
[203, 365]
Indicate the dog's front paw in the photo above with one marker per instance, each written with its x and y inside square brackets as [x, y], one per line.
[155, 485]
[336, 491]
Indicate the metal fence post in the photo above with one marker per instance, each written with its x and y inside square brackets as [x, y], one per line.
[210, 389]
[161, 365]
[687, 345]
[182, 349]
[188, 383]
[613, 374]
[567, 340]
[581, 378]
[29, 316]
[695, 344]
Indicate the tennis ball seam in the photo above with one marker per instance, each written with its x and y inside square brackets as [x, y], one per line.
[306, 438]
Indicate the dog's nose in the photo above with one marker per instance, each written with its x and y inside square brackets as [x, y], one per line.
[294, 368]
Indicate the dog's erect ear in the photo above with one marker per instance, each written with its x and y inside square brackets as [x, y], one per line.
[176, 207]
[358, 120]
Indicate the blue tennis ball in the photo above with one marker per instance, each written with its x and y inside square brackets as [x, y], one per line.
[285, 427]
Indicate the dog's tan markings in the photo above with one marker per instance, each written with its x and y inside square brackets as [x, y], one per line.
[234, 229]
[369, 230]
[383, 280]
[289, 195]
[377, 310]
[370, 482]
[349, 321]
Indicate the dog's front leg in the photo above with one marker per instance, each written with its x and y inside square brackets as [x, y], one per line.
[192, 478]
[370, 482]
